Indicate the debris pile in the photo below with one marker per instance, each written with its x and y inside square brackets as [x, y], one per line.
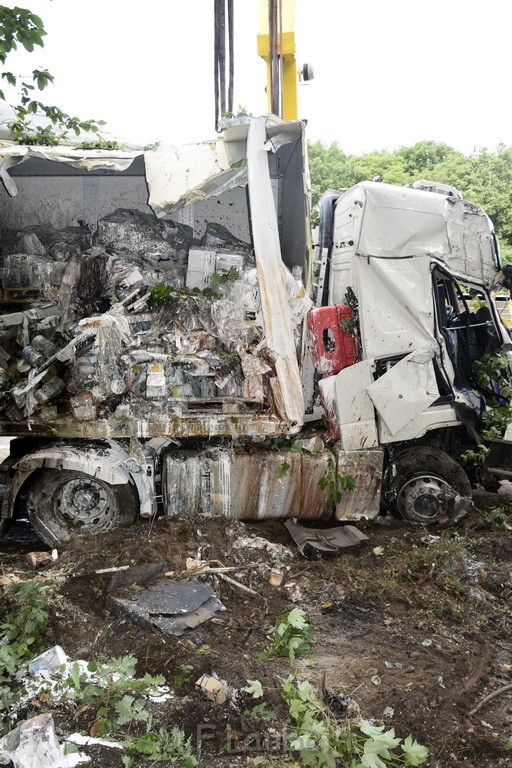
[137, 321]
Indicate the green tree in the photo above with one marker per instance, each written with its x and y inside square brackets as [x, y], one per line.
[328, 168]
[21, 27]
[385, 166]
[423, 156]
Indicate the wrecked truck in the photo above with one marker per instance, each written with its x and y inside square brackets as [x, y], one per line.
[169, 337]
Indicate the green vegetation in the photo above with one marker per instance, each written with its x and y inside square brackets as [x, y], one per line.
[21, 638]
[114, 700]
[21, 27]
[321, 740]
[336, 483]
[100, 144]
[316, 736]
[483, 178]
[115, 703]
[290, 637]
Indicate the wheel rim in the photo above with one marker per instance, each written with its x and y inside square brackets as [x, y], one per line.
[424, 498]
[84, 503]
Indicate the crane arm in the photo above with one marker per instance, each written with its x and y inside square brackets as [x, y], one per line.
[276, 45]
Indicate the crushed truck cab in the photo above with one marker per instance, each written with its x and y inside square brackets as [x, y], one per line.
[170, 340]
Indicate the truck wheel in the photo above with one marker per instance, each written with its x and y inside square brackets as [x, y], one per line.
[425, 485]
[63, 504]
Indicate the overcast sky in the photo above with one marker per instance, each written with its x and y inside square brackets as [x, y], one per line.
[387, 74]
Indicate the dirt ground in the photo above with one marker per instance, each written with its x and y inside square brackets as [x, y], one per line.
[414, 626]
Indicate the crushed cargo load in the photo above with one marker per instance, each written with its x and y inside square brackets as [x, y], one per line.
[122, 328]
[134, 328]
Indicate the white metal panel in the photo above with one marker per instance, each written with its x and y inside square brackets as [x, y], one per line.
[274, 305]
[355, 409]
[347, 224]
[470, 235]
[397, 313]
[400, 222]
[406, 390]
[436, 417]
[177, 175]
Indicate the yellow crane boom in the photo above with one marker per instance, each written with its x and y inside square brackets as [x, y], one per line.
[276, 45]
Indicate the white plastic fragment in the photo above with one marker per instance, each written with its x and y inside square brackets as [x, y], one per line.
[91, 741]
[33, 743]
[49, 662]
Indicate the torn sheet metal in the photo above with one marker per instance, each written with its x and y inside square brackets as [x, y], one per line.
[406, 390]
[315, 543]
[401, 222]
[268, 260]
[180, 175]
[87, 160]
[169, 606]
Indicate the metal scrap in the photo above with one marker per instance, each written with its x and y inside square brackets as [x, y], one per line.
[169, 606]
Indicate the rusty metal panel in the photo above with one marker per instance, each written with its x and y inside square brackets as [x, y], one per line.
[253, 485]
[366, 468]
[314, 502]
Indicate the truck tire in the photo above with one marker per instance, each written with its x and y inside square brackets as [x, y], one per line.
[63, 504]
[425, 484]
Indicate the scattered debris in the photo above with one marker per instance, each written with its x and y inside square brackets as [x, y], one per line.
[139, 574]
[215, 689]
[38, 559]
[276, 576]
[34, 743]
[276, 551]
[169, 606]
[238, 585]
[324, 542]
[49, 663]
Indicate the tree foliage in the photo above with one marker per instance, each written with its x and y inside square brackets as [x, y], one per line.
[21, 27]
[483, 178]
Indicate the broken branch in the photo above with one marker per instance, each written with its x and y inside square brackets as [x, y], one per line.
[237, 584]
[492, 695]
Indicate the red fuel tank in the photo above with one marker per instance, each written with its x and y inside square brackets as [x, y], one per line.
[333, 347]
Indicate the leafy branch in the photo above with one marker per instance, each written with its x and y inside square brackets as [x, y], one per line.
[19, 26]
[336, 483]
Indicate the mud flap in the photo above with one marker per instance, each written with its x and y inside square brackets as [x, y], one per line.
[315, 543]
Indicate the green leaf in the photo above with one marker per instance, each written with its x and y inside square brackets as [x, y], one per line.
[103, 727]
[347, 482]
[283, 469]
[255, 689]
[372, 761]
[297, 618]
[75, 676]
[124, 710]
[415, 754]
